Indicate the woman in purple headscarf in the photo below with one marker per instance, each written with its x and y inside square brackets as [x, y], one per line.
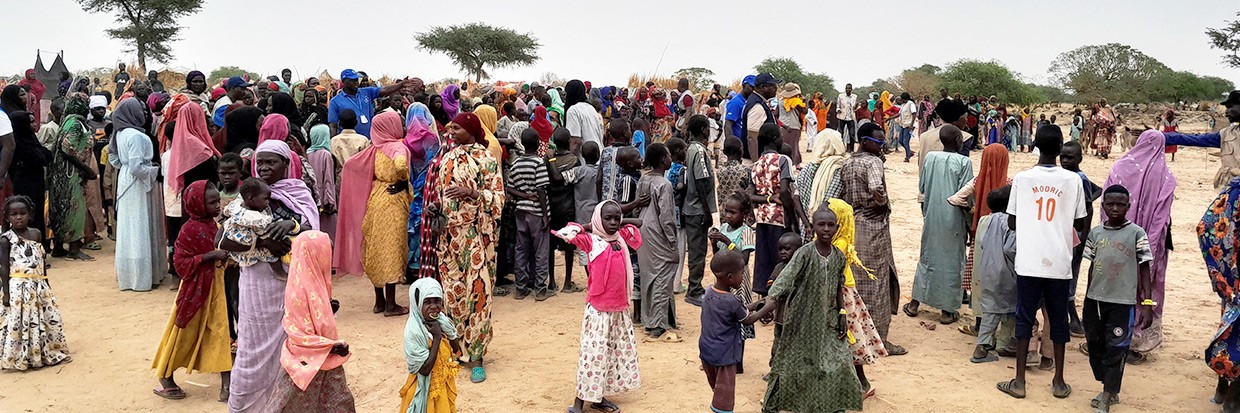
[1151, 187]
[260, 334]
[451, 100]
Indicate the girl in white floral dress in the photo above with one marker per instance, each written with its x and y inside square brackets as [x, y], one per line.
[31, 334]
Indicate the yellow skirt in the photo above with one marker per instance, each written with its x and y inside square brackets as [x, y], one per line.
[204, 344]
[441, 397]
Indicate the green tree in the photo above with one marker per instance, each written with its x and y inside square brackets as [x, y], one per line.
[985, 78]
[1113, 71]
[918, 81]
[148, 27]
[475, 46]
[1186, 86]
[699, 77]
[789, 70]
[225, 72]
[1048, 93]
[1227, 39]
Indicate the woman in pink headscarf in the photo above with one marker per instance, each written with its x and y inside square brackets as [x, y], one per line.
[275, 127]
[374, 210]
[1151, 188]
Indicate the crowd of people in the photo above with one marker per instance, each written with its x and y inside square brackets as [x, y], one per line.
[250, 196]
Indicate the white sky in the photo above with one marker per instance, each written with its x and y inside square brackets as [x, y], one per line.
[834, 37]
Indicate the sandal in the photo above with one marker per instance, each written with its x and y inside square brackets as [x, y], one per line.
[894, 349]
[79, 256]
[968, 330]
[605, 406]
[1008, 387]
[668, 337]
[909, 311]
[1136, 359]
[93, 246]
[1062, 392]
[948, 318]
[572, 288]
[174, 393]
[478, 374]
[501, 291]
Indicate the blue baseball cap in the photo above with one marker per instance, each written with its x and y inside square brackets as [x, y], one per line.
[749, 80]
[349, 74]
[235, 82]
[765, 79]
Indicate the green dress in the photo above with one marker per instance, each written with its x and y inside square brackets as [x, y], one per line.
[812, 371]
[68, 200]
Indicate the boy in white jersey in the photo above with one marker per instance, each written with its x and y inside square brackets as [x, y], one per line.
[1046, 210]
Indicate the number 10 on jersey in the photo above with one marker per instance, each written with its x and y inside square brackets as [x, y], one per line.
[1046, 209]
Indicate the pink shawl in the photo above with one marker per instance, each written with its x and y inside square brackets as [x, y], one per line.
[387, 135]
[292, 193]
[308, 317]
[275, 127]
[191, 144]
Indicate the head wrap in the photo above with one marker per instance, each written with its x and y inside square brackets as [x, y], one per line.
[128, 115]
[950, 110]
[76, 104]
[470, 123]
[845, 240]
[489, 118]
[418, 337]
[439, 113]
[320, 139]
[189, 77]
[828, 153]
[191, 144]
[992, 175]
[541, 124]
[575, 92]
[10, 99]
[197, 237]
[451, 100]
[275, 127]
[283, 104]
[421, 135]
[1151, 190]
[290, 192]
[308, 318]
[96, 101]
[357, 179]
[556, 105]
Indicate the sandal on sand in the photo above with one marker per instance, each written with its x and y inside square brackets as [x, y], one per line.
[605, 406]
[1136, 359]
[501, 291]
[572, 409]
[93, 246]
[895, 349]
[79, 256]
[1083, 349]
[1062, 392]
[478, 374]
[668, 337]
[949, 318]
[1008, 387]
[1097, 402]
[909, 311]
[174, 393]
[968, 330]
[990, 356]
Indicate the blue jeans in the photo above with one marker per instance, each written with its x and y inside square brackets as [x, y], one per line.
[906, 136]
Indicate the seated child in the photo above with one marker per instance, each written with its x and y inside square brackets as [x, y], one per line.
[248, 217]
[721, 345]
[1119, 279]
[994, 269]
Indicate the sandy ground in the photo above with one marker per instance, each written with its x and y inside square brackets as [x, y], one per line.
[533, 359]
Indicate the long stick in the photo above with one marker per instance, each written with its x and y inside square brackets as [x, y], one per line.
[656, 66]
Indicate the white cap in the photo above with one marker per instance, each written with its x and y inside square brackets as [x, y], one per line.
[98, 101]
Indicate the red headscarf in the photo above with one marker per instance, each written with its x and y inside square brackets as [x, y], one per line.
[191, 144]
[171, 113]
[387, 135]
[540, 124]
[36, 87]
[470, 123]
[991, 176]
[275, 127]
[197, 238]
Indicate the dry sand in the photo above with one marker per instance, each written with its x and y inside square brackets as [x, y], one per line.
[533, 359]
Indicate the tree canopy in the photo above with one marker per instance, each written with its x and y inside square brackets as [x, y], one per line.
[984, 78]
[475, 46]
[1227, 39]
[1114, 71]
[148, 27]
[699, 77]
[225, 72]
[918, 81]
[789, 70]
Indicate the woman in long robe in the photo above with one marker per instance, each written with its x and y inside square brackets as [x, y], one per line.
[374, 213]
[422, 139]
[821, 167]
[68, 202]
[261, 295]
[1216, 234]
[471, 196]
[313, 355]
[140, 245]
[27, 172]
[196, 337]
[937, 281]
[1151, 188]
[319, 155]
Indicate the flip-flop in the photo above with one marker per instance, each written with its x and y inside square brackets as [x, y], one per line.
[1006, 388]
[1061, 393]
[93, 246]
[989, 358]
[895, 349]
[907, 311]
[1114, 400]
[478, 374]
[967, 330]
[1136, 359]
[605, 406]
[174, 393]
[572, 409]
[671, 337]
[1083, 349]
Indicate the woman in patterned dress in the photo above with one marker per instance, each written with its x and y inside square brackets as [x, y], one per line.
[863, 339]
[471, 195]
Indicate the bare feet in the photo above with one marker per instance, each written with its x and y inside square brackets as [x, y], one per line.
[395, 311]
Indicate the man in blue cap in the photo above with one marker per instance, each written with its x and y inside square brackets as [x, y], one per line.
[234, 90]
[732, 116]
[758, 112]
[360, 99]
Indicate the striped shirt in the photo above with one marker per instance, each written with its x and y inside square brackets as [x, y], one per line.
[529, 174]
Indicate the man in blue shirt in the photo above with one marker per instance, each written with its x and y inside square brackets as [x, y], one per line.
[734, 110]
[360, 99]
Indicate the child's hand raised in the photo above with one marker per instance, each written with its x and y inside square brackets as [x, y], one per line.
[435, 329]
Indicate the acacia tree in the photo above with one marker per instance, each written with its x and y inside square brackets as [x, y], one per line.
[475, 46]
[699, 77]
[1111, 70]
[975, 77]
[148, 27]
[1227, 39]
[789, 70]
[919, 81]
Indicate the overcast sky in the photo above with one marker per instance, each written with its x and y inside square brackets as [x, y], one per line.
[838, 38]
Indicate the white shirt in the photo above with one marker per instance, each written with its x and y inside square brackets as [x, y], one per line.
[846, 106]
[1045, 201]
[811, 124]
[6, 126]
[583, 121]
[907, 110]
